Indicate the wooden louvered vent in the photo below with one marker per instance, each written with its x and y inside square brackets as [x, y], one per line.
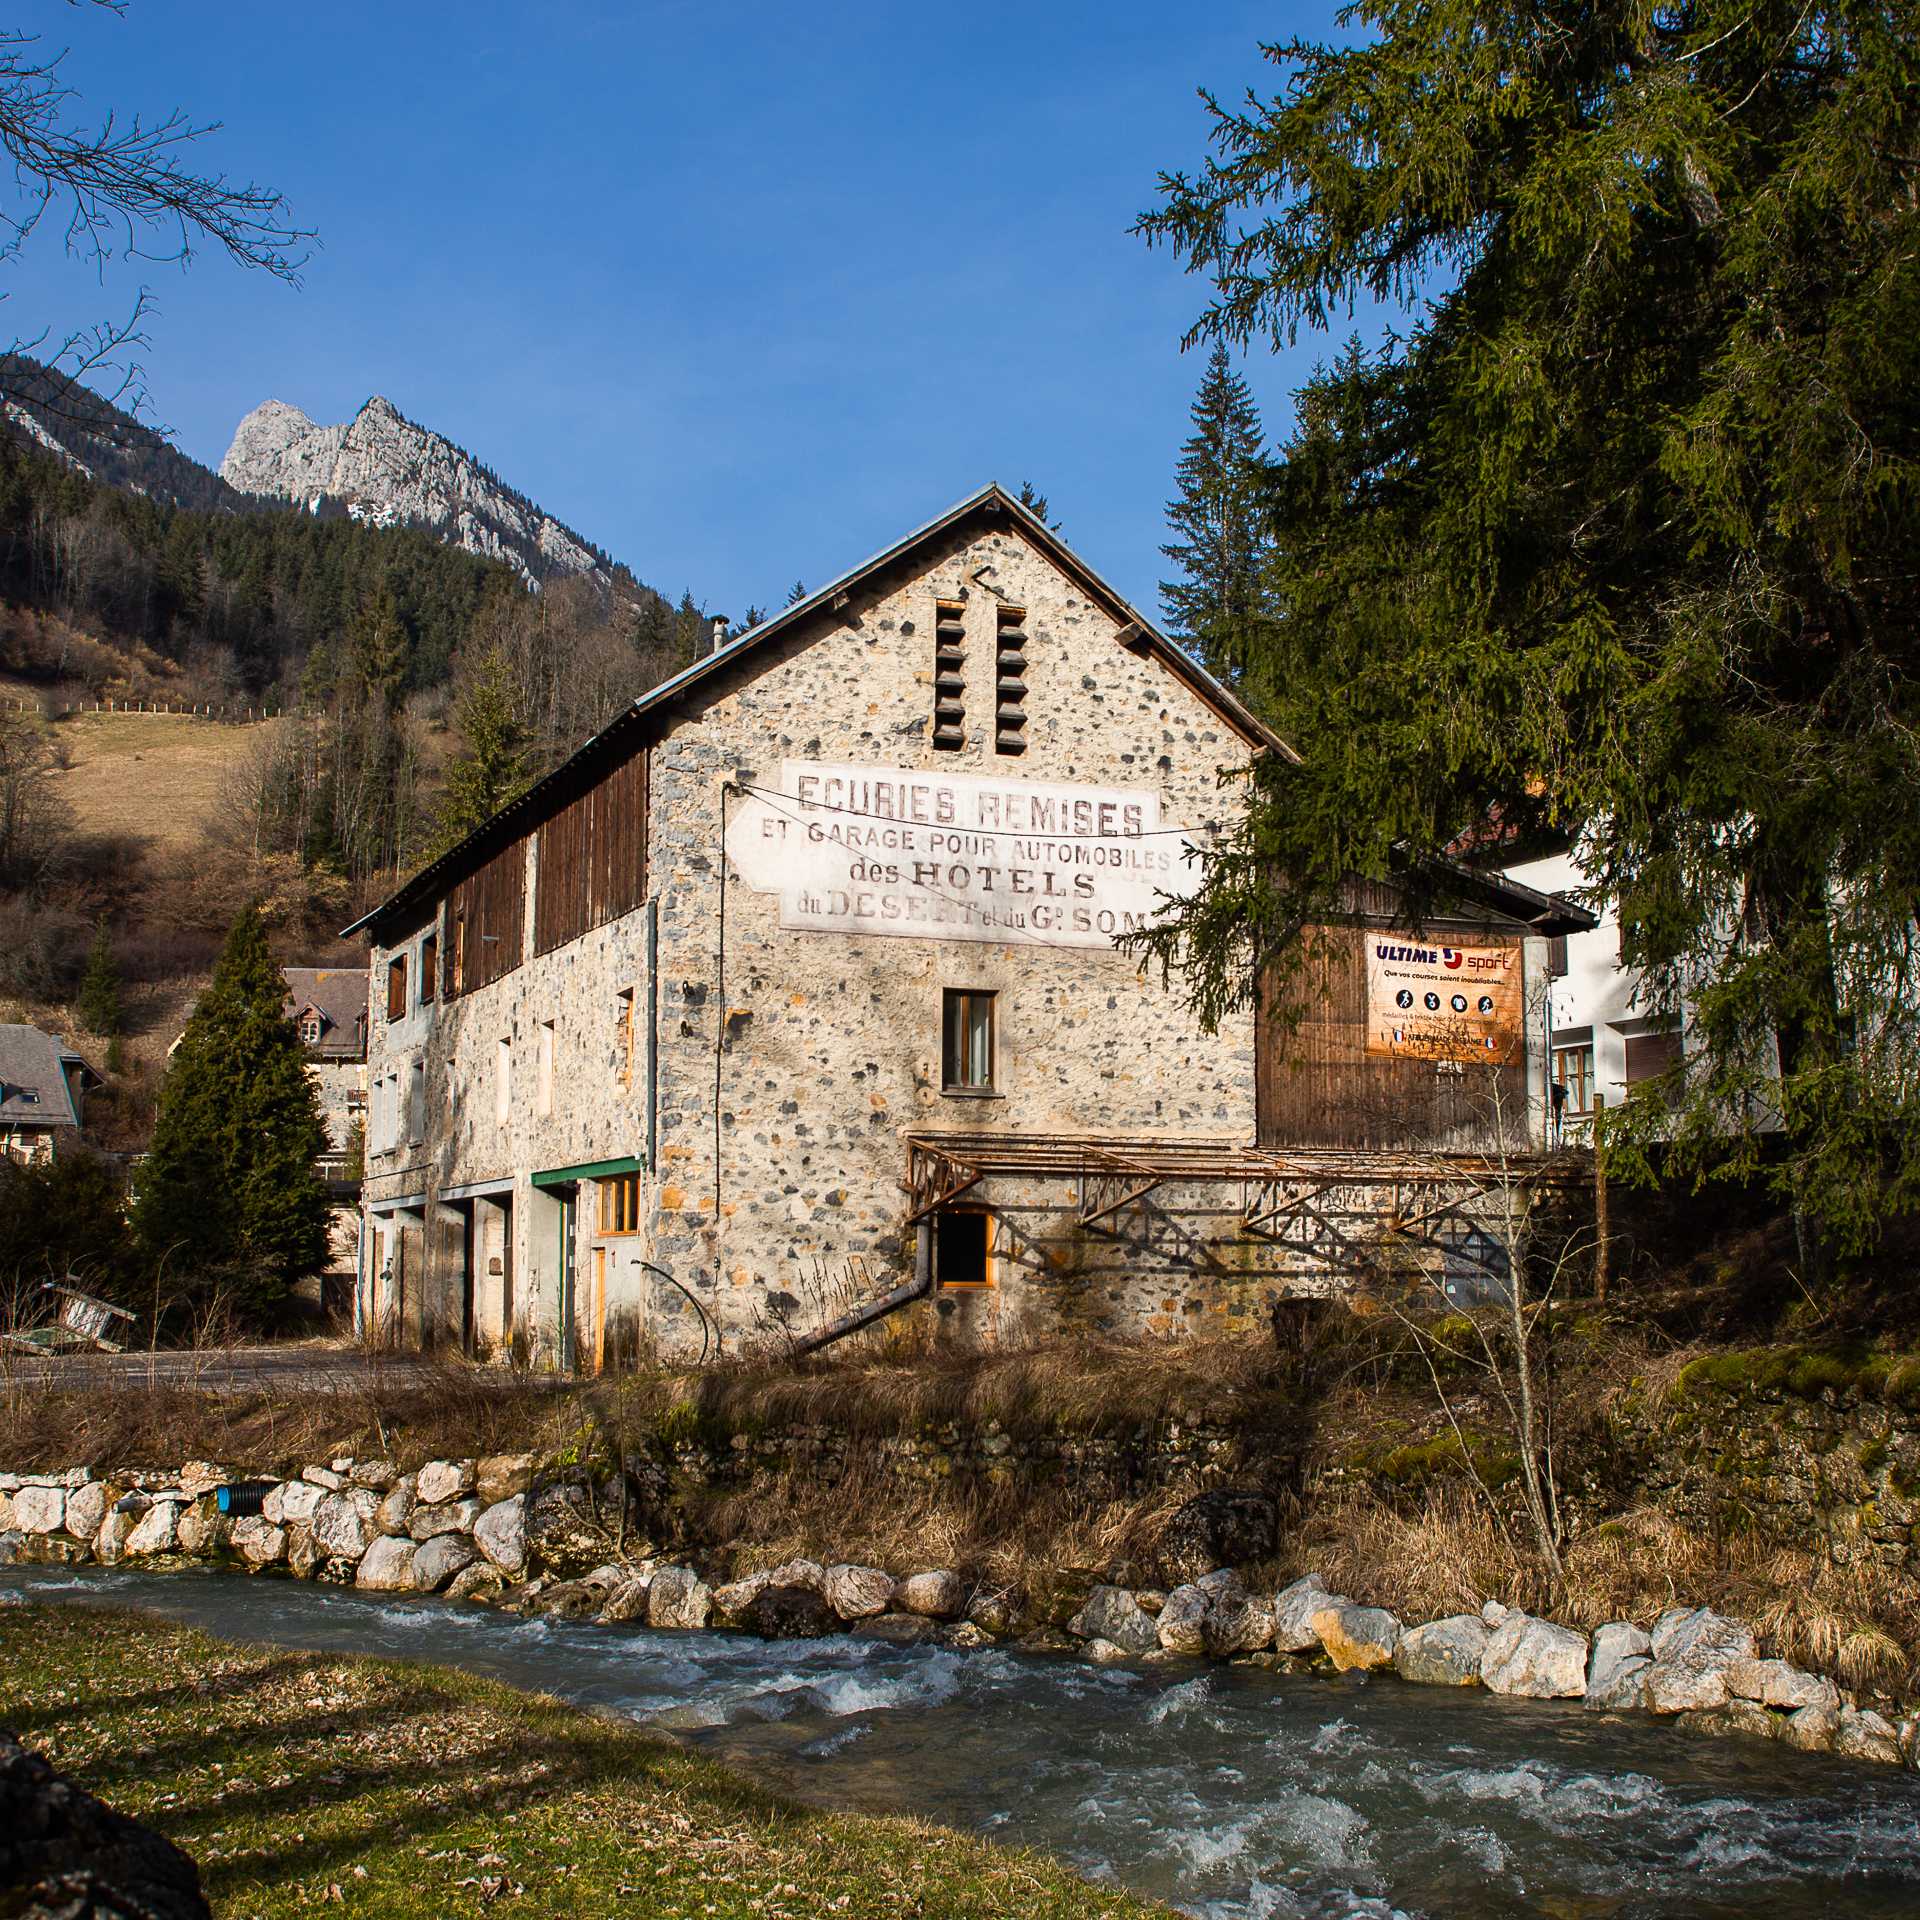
[949, 680]
[1010, 676]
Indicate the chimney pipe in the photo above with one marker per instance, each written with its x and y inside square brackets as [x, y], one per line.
[719, 632]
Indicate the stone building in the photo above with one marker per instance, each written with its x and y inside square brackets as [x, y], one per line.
[43, 1094]
[793, 997]
[328, 1007]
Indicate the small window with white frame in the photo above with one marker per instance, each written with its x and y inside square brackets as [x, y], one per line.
[967, 1040]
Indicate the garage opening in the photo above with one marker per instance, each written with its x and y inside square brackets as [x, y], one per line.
[962, 1248]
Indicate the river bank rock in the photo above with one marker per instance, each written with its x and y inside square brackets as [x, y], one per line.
[1443, 1653]
[1862, 1734]
[1182, 1625]
[377, 1476]
[1812, 1729]
[789, 1613]
[1357, 1638]
[936, 1595]
[857, 1593]
[501, 1534]
[40, 1509]
[1694, 1651]
[395, 1512]
[258, 1541]
[1617, 1668]
[1735, 1716]
[156, 1531]
[344, 1523]
[677, 1597]
[1775, 1683]
[442, 1480]
[1534, 1659]
[1293, 1611]
[626, 1599]
[500, 1476]
[87, 1507]
[386, 1566]
[480, 1583]
[452, 1516]
[562, 1533]
[436, 1561]
[1114, 1615]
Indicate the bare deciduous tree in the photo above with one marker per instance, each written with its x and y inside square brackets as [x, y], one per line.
[124, 188]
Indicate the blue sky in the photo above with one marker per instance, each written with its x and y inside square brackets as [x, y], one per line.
[739, 292]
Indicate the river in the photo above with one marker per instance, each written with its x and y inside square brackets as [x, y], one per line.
[1226, 1791]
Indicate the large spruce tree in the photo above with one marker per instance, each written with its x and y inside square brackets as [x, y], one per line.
[229, 1198]
[496, 760]
[1619, 538]
[1219, 544]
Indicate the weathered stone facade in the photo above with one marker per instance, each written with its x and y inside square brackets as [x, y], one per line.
[756, 1080]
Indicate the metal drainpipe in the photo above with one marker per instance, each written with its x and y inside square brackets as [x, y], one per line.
[915, 1289]
[653, 1036]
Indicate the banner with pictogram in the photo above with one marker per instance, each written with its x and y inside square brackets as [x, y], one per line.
[1432, 1002]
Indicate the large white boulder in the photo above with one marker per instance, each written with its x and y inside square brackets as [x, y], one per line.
[857, 1593]
[87, 1507]
[436, 1561]
[1114, 1615]
[1293, 1611]
[1694, 1652]
[678, 1597]
[1357, 1638]
[454, 1516]
[500, 1476]
[1443, 1653]
[157, 1530]
[386, 1566]
[1865, 1735]
[1535, 1659]
[258, 1541]
[444, 1480]
[396, 1506]
[1617, 1668]
[40, 1509]
[1182, 1625]
[293, 1503]
[1774, 1683]
[501, 1534]
[937, 1595]
[343, 1524]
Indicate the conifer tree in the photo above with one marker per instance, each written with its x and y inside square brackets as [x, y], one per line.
[1616, 539]
[1218, 543]
[229, 1198]
[495, 762]
[99, 1003]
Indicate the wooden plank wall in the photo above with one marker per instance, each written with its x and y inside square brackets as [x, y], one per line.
[486, 922]
[1316, 1085]
[593, 857]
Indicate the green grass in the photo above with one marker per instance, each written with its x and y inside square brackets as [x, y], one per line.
[386, 1788]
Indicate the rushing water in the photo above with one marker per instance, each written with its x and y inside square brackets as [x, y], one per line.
[1226, 1791]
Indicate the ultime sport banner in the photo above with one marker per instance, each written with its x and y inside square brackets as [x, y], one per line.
[1432, 1002]
[951, 856]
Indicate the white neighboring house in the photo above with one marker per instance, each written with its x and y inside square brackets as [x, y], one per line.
[1602, 1037]
[43, 1089]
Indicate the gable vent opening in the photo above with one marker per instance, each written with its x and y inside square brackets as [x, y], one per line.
[949, 681]
[1010, 670]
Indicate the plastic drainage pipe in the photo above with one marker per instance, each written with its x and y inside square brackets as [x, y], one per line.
[241, 1498]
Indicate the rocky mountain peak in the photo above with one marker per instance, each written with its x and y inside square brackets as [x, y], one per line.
[390, 471]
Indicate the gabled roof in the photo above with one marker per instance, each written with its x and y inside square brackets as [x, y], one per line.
[647, 712]
[339, 996]
[33, 1078]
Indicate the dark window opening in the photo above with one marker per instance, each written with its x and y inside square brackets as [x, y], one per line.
[1010, 682]
[949, 675]
[962, 1245]
[397, 987]
[429, 967]
[966, 1041]
[1573, 1078]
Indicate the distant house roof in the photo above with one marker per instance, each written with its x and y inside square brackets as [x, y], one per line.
[34, 1090]
[339, 996]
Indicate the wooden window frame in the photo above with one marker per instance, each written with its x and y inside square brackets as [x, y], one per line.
[624, 1002]
[949, 730]
[989, 1250]
[1587, 1076]
[955, 1041]
[618, 1200]
[1009, 680]
[397, 987]
[429, 968]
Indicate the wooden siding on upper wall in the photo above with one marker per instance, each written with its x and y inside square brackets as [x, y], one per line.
[1317, 1085]
[592, 864]
[486, 922]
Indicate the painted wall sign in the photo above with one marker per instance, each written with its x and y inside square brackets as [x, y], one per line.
[954, 856]
[1434, 1002]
